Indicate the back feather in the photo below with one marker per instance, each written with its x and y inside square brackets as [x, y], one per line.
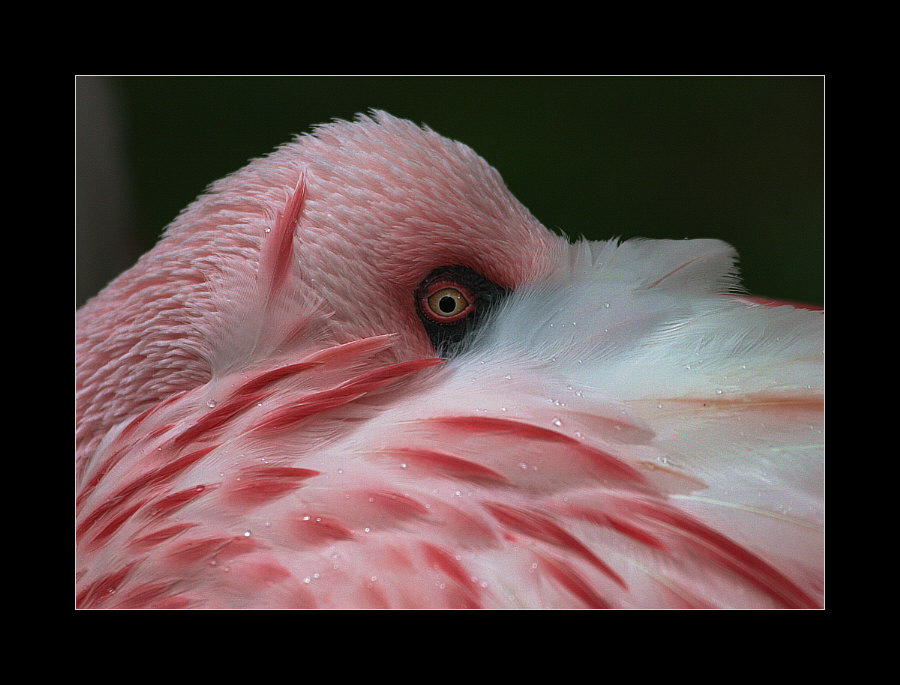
[630, 434]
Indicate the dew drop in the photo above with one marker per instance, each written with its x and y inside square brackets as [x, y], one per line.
[556, 422]
[210, 403]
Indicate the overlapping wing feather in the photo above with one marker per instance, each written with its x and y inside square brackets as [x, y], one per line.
[628, 434]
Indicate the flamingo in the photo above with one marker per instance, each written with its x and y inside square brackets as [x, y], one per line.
[358, 374]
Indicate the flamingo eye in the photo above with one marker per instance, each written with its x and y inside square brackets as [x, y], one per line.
[448, 303]
[451, 303]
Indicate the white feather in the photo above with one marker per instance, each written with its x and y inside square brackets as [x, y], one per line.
[650, 331]
[712, 404]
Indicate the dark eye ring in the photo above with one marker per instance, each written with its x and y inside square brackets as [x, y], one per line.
[451, 302]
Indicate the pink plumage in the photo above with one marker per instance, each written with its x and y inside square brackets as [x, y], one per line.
[357, 373]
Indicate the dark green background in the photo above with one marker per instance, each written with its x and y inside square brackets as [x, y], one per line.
[736, 158]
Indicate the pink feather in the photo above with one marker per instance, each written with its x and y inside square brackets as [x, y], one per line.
[263, 422]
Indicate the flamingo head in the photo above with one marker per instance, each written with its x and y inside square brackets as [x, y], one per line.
[376, 227]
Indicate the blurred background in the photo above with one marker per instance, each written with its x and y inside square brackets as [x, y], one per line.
[735, 158]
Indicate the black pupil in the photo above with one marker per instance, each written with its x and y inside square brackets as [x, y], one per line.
[447, 304]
